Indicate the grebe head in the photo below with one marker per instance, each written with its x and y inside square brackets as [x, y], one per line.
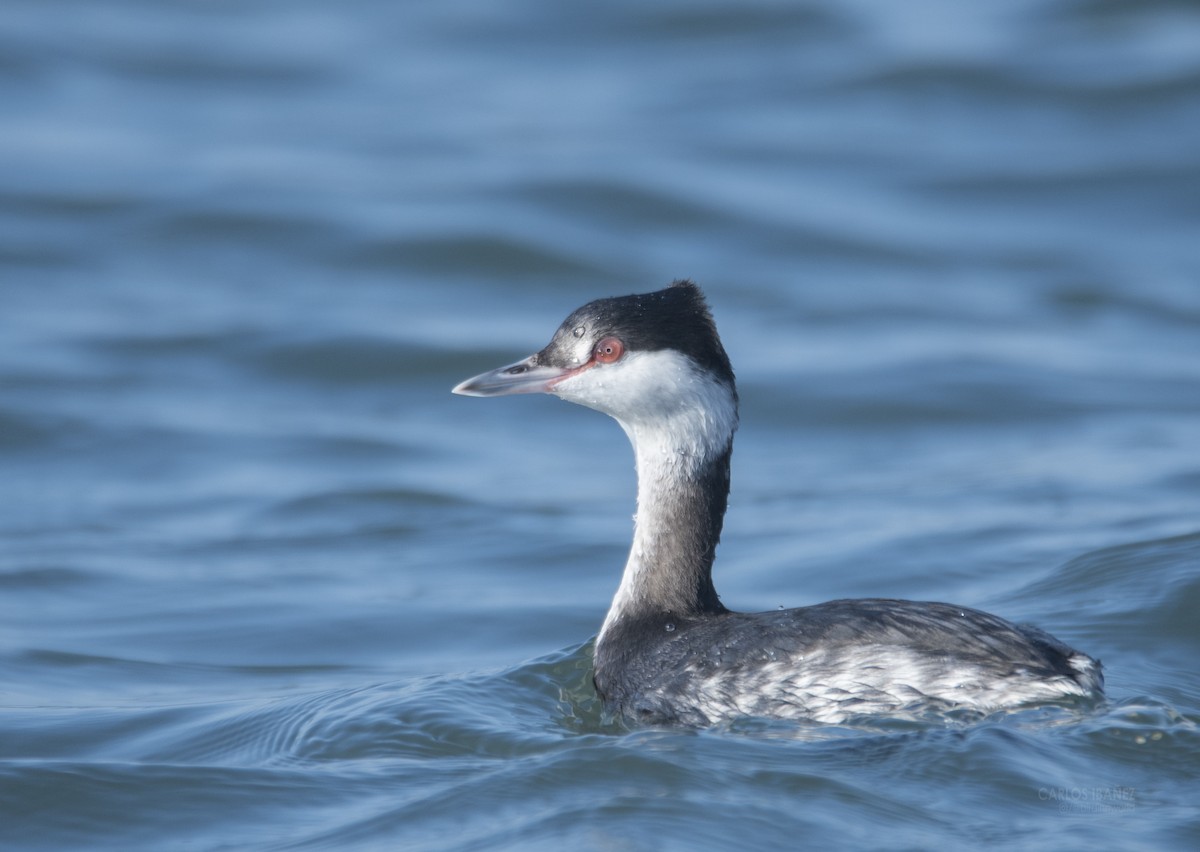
[645, 359]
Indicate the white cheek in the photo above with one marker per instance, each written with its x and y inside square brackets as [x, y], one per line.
[661, 399]
[641, 383]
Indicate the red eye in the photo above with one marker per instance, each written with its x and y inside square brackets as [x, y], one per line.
[608, 350]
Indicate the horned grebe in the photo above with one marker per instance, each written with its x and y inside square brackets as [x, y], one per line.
[669, 652]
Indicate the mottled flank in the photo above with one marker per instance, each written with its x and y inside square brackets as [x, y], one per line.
[833, 663]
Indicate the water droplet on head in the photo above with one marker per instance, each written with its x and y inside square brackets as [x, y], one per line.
[579, 330]
[670, 627]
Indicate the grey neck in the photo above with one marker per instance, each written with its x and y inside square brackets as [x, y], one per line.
[682, 495]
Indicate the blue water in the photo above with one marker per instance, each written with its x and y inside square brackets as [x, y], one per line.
[265, 584]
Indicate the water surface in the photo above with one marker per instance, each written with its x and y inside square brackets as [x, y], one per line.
[265, 584]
